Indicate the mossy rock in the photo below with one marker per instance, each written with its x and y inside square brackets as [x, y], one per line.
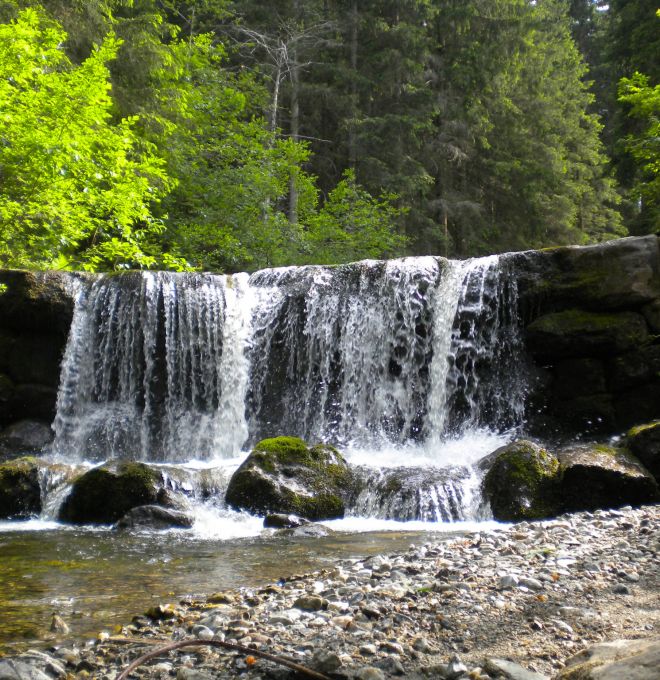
[105, 494]
[521, 482]
[20, 490]
[285, 475]
[595, 476]
[577, 333]
[644, 442]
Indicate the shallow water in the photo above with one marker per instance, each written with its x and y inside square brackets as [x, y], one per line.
[98, 579]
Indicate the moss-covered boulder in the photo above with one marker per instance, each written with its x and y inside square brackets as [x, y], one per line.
[106, 493]
[644, 442]
[285, 475]
[576, 333]
[20, 488]
[521, 482]
[595, 476]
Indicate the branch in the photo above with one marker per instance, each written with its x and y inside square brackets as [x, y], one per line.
[282, 661]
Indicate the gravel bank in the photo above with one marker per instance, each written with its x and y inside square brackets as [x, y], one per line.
[532, 594]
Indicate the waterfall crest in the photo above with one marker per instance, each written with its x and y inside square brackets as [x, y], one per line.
[176, 367]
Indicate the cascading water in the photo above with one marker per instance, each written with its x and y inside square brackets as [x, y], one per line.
[392, 361]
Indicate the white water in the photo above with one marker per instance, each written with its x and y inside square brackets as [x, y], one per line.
[410, 364]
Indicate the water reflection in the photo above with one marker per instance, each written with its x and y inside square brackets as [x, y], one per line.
[97, 580]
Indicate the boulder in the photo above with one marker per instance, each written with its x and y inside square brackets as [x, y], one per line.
[154, 517]
[597, 476]
[576, 333]
[106, 493]
[32, 401]
[640, 403]
[634, 368]
[521, 482]
[24, 438]
[39, 302]
[284, 475]
[20, 488]
[616, 660]
[644, 442]
[31, 357]
[618, 274]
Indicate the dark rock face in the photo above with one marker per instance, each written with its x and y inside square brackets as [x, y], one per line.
[644, 442]
[20, 490]
[154, 517]
[521, 482]
[576, 333]
[592, 320]
[26, 437]
[105, 494]
[280, 521]
[600, 476]
[284, 475]
[36, 309]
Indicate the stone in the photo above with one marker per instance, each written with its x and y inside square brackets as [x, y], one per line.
[615, 660]
[640, 404]
[578, 377]
[25, 438]
[281, 521]
[602, 476]
[644, 442]
[33, 402]
[11, 669]
[20, 488]
[106, 493]
[284, 475]
[155, 517]
[510, 670]
[310, 603]
[578, 333]
[325, 661]
[367, 673]
[192, 674]
[521, 481]
[633, 368]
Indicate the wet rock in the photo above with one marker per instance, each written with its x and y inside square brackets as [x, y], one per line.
[284, 475]
[20, 488]
[644, 442]
[280, 521]
[577, 333]
[601, 476]
[521, 482]
[309, 603]
[106, 493]
[25, 438]
[630, 659]
[155, 517]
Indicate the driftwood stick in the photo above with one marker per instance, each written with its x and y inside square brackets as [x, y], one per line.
[308, 672]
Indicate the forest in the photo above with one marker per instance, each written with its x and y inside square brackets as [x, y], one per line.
[231, 135]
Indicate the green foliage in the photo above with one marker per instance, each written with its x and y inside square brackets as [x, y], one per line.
[352, 225]
[76, 187]
[644, 102]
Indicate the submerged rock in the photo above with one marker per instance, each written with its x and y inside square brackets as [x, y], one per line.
[106, 493]
[279, 521]
[644, 442]
[154, 517]
[284, 475]
[20, 488]
[521, 482]
[601, 476]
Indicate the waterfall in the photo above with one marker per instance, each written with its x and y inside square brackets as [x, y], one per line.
[144, 375]
[386, 359]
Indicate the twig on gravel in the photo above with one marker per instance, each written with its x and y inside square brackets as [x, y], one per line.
[282, 661]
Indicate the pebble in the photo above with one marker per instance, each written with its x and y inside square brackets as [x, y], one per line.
[507, 602]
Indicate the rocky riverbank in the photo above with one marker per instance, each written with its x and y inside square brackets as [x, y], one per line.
[516, 602]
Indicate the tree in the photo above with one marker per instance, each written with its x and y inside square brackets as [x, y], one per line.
[77, 188]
